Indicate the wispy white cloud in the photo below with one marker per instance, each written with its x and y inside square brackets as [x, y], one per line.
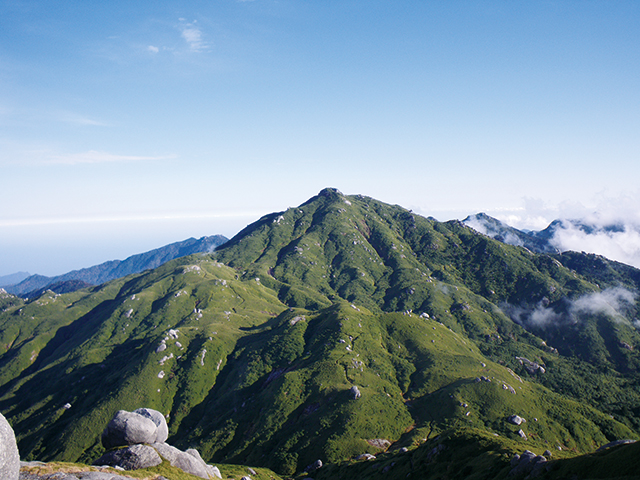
[153, 49]
[24, 115]
[13, 153]
[74, 118]
[193, 35]
[93, 156]
[612, 302]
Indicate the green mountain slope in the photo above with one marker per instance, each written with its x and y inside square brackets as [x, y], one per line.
[340, 327]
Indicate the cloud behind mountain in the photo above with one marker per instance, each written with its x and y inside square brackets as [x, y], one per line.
[611, 228]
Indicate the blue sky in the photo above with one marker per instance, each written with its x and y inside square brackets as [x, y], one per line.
[128, 125]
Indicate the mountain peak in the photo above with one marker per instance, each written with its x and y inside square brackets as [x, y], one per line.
[329, 192]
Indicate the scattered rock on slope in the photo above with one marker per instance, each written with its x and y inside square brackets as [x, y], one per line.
[355, 392]
[515, 419]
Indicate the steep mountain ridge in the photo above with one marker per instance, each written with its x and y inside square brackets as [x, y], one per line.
[492, 227]
[34, 285]
[339, 327]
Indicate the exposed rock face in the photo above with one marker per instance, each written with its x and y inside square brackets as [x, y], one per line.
[144, 456]
[214, 472]
[528, 464]
[131, 458]
[314, 466]
[381, 443]
[355, 392]
[129, 428]
[516, 420]
[143, 433]
[9, 456]
[531, 367]
[183, 460]
[157, 418]
[366, 456]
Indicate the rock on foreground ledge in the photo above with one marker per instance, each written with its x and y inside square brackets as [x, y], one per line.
[142, 433]
[9, 456]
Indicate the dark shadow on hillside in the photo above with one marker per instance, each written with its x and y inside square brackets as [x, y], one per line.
[40, 414]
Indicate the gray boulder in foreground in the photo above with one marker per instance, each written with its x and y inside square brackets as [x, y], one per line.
[129, 428]
[214, 472]
[157, 418]
[211, 470]
[183, 460]
[9, 456]
[131, 458]
[143, 433]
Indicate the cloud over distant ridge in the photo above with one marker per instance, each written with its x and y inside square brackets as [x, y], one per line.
[619, 241]
[611, 227]
[613, 302]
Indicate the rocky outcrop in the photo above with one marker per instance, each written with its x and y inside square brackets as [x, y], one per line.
[355, 392]
[515, 420]
[183, 460]
[528, 464]
[159, 420]
[133, 457]
[531, 367]
[129, 428]
[142, 433]
[381, 443]
[314, 466]
[366, 456]
[9, 456]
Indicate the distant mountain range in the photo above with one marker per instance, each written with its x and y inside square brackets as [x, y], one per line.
[494, 228]
[34, 285]
[7, 280]
[383, 343]
[553, 239]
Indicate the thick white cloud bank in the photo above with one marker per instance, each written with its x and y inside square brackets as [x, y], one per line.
[613, 225]
[621, 244]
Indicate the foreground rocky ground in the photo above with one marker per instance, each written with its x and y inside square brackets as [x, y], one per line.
[136, 450]
[68, 471]
[45, 471]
